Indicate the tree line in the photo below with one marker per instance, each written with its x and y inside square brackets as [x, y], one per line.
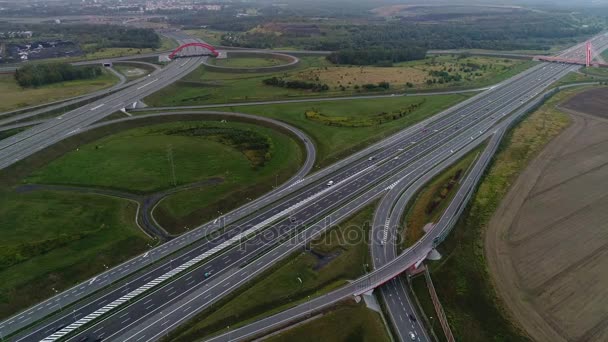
[35, 75]
[90, 37]
[381, 57]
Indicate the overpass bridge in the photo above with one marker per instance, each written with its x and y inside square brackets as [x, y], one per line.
[592, 56]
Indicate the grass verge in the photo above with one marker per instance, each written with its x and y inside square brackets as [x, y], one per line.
[461, 278]
[246, 62]
[329, 263]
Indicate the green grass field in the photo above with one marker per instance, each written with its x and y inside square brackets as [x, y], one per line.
[280, 288]
[12, 96]
[207, 87]
[576, 78]
[56, 239]
[602, 72]
[240, 182]
[334, 142]
[347, 323]
[246, 62]
[137, 159]
[461, 277]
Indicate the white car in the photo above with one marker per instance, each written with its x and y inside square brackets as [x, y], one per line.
[330, 183]
[412, 336]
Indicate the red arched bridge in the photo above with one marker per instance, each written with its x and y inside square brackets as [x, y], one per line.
[208, 50]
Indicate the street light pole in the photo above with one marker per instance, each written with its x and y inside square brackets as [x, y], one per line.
[58, 299]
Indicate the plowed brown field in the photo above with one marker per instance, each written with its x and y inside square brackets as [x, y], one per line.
[547, 244]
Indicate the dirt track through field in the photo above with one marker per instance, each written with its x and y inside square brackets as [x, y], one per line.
[547, 244]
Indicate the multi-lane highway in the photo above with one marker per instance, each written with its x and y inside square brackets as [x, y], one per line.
[384, 274]
[22, 114]
[353, 183]
[212, 267]
[387, 222]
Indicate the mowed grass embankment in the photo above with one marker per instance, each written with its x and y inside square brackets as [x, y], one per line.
[461, 277]
[133, 71]
[247, 159]
[339, 255]
[246, 62]
[335, 138]
[203, 86]
[56, 239]
[13, 96]
[432, 200]
[601, 72]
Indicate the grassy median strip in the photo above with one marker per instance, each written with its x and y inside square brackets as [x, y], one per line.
[432, 200]
[246, 62]
[461, 277]
[340, 254]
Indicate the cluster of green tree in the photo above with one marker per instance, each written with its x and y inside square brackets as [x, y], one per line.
[444, 76]
[34, 75]
[378, 56]
[367, 121]
[380, 86]
[523, 30]
[257, 148]
[93, 37]
[443, 193]
[295, 84]
[223, 20]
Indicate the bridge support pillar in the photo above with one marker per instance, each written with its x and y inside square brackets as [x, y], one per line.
[433, 255]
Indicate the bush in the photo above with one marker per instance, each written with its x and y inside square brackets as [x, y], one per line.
[279, 82]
